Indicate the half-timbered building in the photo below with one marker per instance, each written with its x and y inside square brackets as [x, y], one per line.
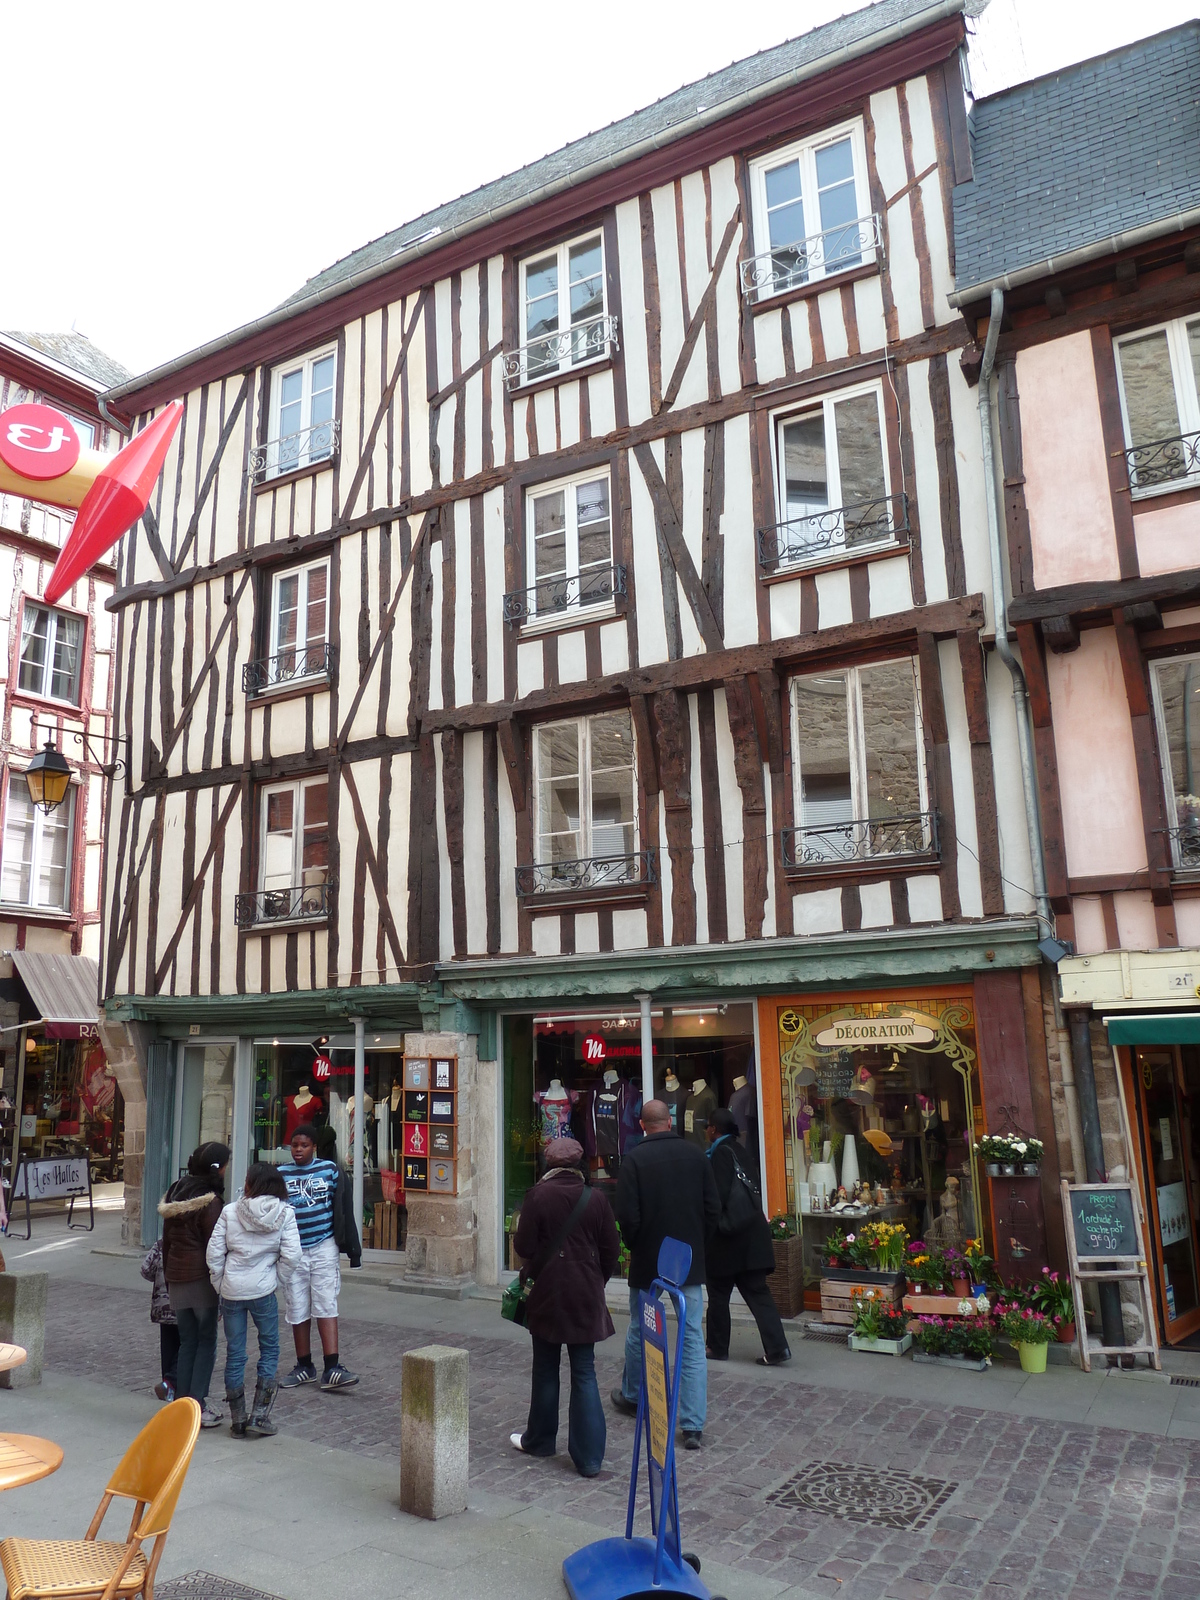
[560, 641]
[1094, 288]
[59, 1094]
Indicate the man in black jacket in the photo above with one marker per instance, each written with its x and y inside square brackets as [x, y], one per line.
[666, 1190]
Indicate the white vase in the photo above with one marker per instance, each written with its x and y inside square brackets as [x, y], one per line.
[849, 1164]
[822, 1180]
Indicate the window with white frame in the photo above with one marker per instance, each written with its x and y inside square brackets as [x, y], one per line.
[36, 866]
[51, 653]
[568, 534]
[294, 855]
[86, 432]
[832, 480]
[586, 821]
[299, 625]
[859, 762]
[1159, 373]
[563, 310]
[1176, 685]
[812, 216]
[303, 429]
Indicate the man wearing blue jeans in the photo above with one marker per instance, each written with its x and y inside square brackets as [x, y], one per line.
[666, 1190]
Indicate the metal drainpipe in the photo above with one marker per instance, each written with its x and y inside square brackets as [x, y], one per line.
[1000, 609]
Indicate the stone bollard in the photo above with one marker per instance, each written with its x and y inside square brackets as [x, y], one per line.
[23, 1322]
[433, 1432]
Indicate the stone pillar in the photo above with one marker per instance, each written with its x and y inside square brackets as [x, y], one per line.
[434, 1432]
[442, 1228]
[23, 1322]
[125, 1050]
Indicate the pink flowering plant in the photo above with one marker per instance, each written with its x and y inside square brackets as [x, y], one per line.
[1052, 1296]
[971, 1336]
[1024, 1325]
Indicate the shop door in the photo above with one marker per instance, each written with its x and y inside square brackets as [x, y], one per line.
[1169, 1151]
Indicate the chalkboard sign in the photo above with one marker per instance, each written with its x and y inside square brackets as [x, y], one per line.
[1103, 1223]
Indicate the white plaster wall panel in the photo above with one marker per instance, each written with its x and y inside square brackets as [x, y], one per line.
[819, 911]
[797, 315]
[889, 586]
[463, 627]
[695, 243]
[472, 403]
[889, 144]
[941, 277]
[666, 255]
[737, 537]
[733, 820]
[437, 553]
[1013, 833]
[920, 121]
[508, 858]
[768, 345]
[446, 922]
[633, 321]
[368, 385]
[876, 902]
[833, 325]
[395, 864]
[904, 269]
[602, 400]
[693, 644]
[170, 490]
[868, 310]
[529, 667]
[614, 648]
[413, 379]
[1135, 920]
[962, 782]
[493, 573]
[322, 513]
[547, 936]
[1090, 937]
[1187, 923]
[547, 431]
[520, 427]
[925, 474]
[784, 599]
[1168, 540]
[366, 776]
[568, 413]
[231, 473]
[629, 928]
[469, 318]
[587, 933]
[445, 440]
[572, 657]
[666, 875]
[387, 485]
[443, 328]
[972, 492]
[699, 854]
[474, 878]
[692, 461]
[924, 899]
[287, 724]
[725, 203]
[651, 624]
[833, 598]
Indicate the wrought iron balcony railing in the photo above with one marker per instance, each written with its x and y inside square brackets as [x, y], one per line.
[595, 872]
[303, 902]
[863, 839]
[554, 597]
[825, 533]
[559, 352]
[821, 255]
[1185, 846]
[289, 666]
[1165, 461]
[303, 449]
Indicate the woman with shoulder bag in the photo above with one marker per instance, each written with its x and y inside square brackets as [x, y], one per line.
[740, 1256]
[189, 1210]
[568, 1241]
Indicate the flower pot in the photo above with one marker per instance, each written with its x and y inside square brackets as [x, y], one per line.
[1033, 1357]
[1066, 1333]
[993, 1169]
[881, 1347]
[1008, 1168]
[961, 1287]
[915, 1288]
[1030, 1169]
[786, 1283]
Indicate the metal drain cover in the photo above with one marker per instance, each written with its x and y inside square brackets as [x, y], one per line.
[207, 1586]
[876, 1495]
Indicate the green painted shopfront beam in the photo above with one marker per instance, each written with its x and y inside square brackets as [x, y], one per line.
[1169, 1029]
[396, 1007]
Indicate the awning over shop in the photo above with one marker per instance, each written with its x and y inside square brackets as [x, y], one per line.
[1158, 1029]
[64, 989]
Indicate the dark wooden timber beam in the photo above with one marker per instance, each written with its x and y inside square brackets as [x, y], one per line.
[1076, 599]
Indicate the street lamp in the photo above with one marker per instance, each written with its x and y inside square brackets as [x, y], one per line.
[49, 778]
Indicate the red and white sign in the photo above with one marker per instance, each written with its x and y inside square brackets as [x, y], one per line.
[322, 1069]
[38, 442]
[594, 1049]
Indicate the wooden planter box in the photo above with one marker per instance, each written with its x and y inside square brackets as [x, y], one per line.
[837, 1303]
[786, 1283]
[972, 1363]
[881, 1347]
[933, 1305]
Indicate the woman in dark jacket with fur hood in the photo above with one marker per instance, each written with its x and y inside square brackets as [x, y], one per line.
[189, 1210]
[566, 1305]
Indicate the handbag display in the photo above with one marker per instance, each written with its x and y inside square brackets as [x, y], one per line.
[516, 1294]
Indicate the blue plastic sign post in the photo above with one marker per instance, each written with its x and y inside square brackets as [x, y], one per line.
[614, 1569]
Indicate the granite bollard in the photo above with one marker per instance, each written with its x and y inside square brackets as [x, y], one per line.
[434, 1431]
[23, 1322]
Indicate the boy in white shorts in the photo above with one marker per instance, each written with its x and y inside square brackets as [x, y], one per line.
[318, 1193]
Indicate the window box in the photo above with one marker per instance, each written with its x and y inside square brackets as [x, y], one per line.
[303, 429]
[293, 880]
[1158, 372]
[35, 873]
[565, 323]
[568, 544]
[51, 654]
[812, 216]
[585, 819]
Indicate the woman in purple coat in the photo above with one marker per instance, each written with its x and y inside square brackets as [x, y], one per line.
[566, 1305]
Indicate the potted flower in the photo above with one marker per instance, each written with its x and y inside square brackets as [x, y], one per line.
[979, 1264]
[1031, 1156]
[1053, 1297]
[868, 1258]
[993, 1149]
[1031, 1331]
[878, 1326]
[786, 1283]
[957, 1273]
[923, 1267]
[968, 1340]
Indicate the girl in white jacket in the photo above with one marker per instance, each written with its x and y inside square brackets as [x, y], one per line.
[254, 1248]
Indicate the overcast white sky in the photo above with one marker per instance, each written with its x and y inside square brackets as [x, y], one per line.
[175, 169]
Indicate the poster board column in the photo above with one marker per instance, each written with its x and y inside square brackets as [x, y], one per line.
[439, 1185]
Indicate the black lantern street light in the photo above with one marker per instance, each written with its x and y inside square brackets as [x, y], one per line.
[49, 778]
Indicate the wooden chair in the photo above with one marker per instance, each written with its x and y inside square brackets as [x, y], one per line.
[151, 1474]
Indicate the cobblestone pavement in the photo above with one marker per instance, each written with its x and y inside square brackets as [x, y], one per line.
[1035, 1507]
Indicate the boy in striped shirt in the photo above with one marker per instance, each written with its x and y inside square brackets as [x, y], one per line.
[317, 1193]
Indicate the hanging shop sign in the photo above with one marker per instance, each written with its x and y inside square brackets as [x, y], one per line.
[322, 1069]
[38, 442]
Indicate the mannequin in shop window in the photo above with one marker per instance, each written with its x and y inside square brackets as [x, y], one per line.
[352, 1115]
[700, 1102]
[555, 1108]
[605, 1122]
[674, 1097]
[743, 1107]
[303, 1106]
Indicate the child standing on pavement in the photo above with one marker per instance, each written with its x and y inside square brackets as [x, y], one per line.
[319, 1194]
[254, 1247]
[162, 1315]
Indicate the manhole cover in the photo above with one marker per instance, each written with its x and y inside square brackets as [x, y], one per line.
[207, 1586]
[877, 1495]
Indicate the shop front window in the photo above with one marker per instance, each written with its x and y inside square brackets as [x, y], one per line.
[205, 1099]
[1167, 1085]
[70, 1103]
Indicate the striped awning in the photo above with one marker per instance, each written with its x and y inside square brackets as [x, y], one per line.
[64, 989]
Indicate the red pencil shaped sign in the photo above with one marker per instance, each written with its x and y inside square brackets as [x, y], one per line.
[115, 501]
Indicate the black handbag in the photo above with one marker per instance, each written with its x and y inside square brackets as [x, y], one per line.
[744, 1203]
[516, 1294]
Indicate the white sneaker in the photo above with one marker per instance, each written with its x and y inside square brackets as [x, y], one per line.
[210, 1418]
[515, 1440]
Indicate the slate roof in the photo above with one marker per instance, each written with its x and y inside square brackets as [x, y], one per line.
[611, 145]
[1070, 159]
[75, 350]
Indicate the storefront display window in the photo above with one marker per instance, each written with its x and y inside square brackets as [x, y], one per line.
[205, 1097]
[1166, 1089]
[69, 1101]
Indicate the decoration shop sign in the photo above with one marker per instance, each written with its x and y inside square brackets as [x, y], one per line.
[862, 1033]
